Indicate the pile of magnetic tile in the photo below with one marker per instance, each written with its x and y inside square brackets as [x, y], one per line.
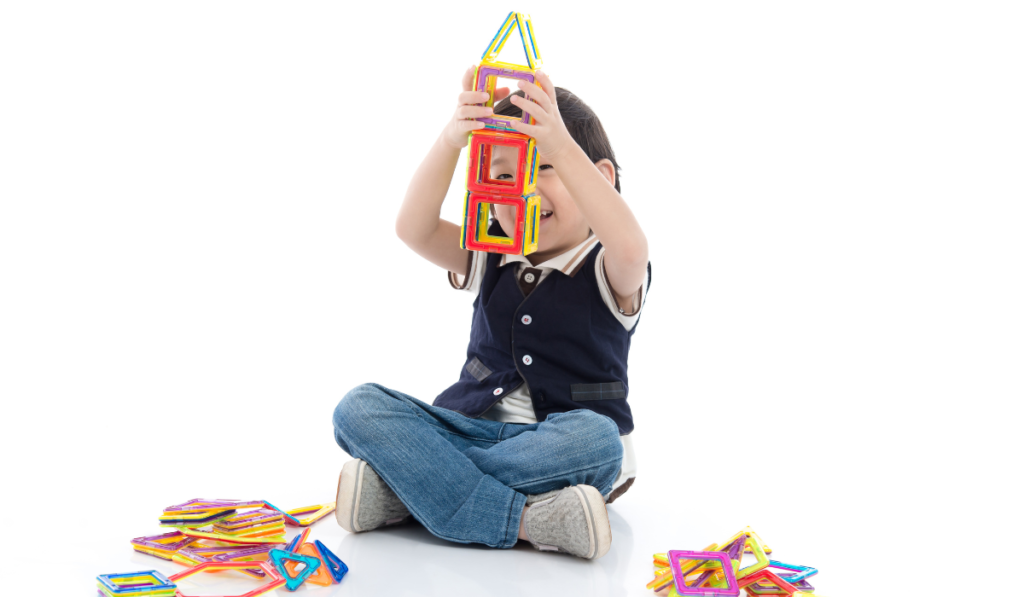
[259, 522]
[704, 573]
[214, 535]
[255, 524]
[225, 530]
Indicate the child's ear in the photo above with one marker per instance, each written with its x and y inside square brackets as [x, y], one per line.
[607, 169]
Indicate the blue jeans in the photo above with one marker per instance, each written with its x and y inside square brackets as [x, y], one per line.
[466, 480]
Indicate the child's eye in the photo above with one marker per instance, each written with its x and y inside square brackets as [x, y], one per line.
[504, 177]
[545, 167]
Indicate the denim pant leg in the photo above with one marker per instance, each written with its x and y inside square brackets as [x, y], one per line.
[417, 449]
[578, 447]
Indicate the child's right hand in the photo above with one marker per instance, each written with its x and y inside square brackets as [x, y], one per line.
[456, 133]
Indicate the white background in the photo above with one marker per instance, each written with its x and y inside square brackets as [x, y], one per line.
[198, 259]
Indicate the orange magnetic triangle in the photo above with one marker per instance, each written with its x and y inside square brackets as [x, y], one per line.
[321, 576]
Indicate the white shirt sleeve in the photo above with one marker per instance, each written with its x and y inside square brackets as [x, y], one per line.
[475, 273]
[628, 320]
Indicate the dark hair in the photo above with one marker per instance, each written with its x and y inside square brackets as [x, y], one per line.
[584, 126]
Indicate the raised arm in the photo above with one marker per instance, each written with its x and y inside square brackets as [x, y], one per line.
[591, 188]
[419, 222]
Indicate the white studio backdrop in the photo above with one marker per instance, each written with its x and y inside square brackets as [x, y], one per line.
[198, 259]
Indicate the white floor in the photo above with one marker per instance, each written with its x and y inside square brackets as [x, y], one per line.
[859, 506]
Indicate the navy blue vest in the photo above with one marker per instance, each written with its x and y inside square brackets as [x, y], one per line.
[575, 347]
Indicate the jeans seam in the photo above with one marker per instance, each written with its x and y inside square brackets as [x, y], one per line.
[419, 413]
[469, 437]
[508, 519]
[577, 471]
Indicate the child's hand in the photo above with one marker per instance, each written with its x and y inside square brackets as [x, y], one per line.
[456, 133]
[550, 132]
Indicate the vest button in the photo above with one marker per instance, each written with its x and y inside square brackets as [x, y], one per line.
[527, 319]
[497, 391]
[527, 359]
[529, 278]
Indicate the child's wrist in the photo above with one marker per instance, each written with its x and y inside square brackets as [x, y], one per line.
[445, 142]
[563, 152]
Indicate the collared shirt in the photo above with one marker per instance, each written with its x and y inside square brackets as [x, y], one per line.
[517, 406]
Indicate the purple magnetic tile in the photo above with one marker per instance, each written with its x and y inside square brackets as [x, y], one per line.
[802, 584]
[244, 553]
[247, 553]
[505, 73]
[151, 541]
[703, 578]
[194, 556]
[197, 522]
[191, 505]
[198, 553]
[202, 551]
[735, 550]
[679, 577]
[201, 504]
[490, 71]
[761, 589]
[259, 514]
[249, 522]
[249, 530]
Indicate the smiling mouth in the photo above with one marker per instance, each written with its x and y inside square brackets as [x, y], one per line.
[545, 214]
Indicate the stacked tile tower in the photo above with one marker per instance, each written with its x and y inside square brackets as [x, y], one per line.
[483, 191]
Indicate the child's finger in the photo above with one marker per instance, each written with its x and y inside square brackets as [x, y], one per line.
[545, 83]
[465, 126]
[468, 98]
[467, 79]
[500, 94]
[526, 129]
[536, 94]
[531, 107]
[468, 112]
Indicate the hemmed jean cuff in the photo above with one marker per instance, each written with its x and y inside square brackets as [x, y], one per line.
[515, 514]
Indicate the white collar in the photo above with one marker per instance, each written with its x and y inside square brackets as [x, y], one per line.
[566, 262]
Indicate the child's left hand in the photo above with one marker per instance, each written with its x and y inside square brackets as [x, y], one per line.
[552, 137]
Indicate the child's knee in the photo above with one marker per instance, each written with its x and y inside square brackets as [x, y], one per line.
[598, 424]
[360, 404]
[599, 430]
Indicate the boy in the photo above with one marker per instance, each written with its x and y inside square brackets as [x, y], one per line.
[526, 445]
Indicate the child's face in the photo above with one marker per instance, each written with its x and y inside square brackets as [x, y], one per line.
[562, 226]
